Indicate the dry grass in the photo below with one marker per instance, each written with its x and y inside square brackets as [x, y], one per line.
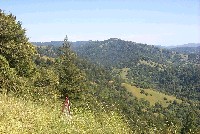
[124, 72]
[24, 116]
[153, 95]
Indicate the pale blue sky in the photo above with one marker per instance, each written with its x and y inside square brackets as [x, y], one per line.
[159, 22]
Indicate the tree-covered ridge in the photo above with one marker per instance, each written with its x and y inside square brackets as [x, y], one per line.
[126, 53]
[150, 66]
[192, 52]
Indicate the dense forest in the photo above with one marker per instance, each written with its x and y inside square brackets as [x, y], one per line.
[34, 80]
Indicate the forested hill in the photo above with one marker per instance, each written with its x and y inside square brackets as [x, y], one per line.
[149, 66]
[120, 53]
[192, 52]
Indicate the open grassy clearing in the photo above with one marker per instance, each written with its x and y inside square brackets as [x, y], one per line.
[121, 72]
[151, 95]
[124, 72]
[22, 116]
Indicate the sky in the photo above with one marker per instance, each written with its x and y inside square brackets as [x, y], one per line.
[154, 22]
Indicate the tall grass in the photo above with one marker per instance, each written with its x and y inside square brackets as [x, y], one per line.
[25, 116]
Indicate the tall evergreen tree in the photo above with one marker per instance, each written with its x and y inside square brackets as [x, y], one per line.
[71, 78]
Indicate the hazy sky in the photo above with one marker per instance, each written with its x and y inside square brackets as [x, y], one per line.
[159, 22]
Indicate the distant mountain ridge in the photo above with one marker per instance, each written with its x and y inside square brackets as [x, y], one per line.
[190, 48]
[184, 45]
[187, 50]
[117, 51]
[59, 43]
[78, 43]
[190, 45]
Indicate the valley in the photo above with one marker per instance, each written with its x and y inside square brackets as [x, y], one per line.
[110, 86]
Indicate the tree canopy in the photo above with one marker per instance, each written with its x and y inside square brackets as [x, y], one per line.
[14, 45]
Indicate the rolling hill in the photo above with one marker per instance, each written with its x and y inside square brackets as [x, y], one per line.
[149, 66]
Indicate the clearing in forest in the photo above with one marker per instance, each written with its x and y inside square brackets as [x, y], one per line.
[124, 72]
[151, 95]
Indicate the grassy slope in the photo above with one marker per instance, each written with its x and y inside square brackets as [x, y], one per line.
[153, 96]
[124, 72]
[22, 116]
[121, 72]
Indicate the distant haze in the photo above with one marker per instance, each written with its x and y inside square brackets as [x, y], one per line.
[158, 22]
[185, 45]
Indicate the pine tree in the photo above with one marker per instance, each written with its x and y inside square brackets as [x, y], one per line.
[71, 78]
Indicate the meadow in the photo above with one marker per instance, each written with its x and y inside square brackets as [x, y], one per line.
[19, 116]
[151, 95]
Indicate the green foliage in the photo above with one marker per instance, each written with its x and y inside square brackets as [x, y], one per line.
[189, 124]
[8, 78]
[49, 51]
[46, 77]
[71, 78]
[14, 45]
[4, 72]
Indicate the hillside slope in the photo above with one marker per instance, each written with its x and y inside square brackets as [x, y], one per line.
[21, 116]
[118, 53]
[150, 66]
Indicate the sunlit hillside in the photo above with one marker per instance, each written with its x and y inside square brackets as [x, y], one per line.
[151, 95]
[22, 116]
[98, 87]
